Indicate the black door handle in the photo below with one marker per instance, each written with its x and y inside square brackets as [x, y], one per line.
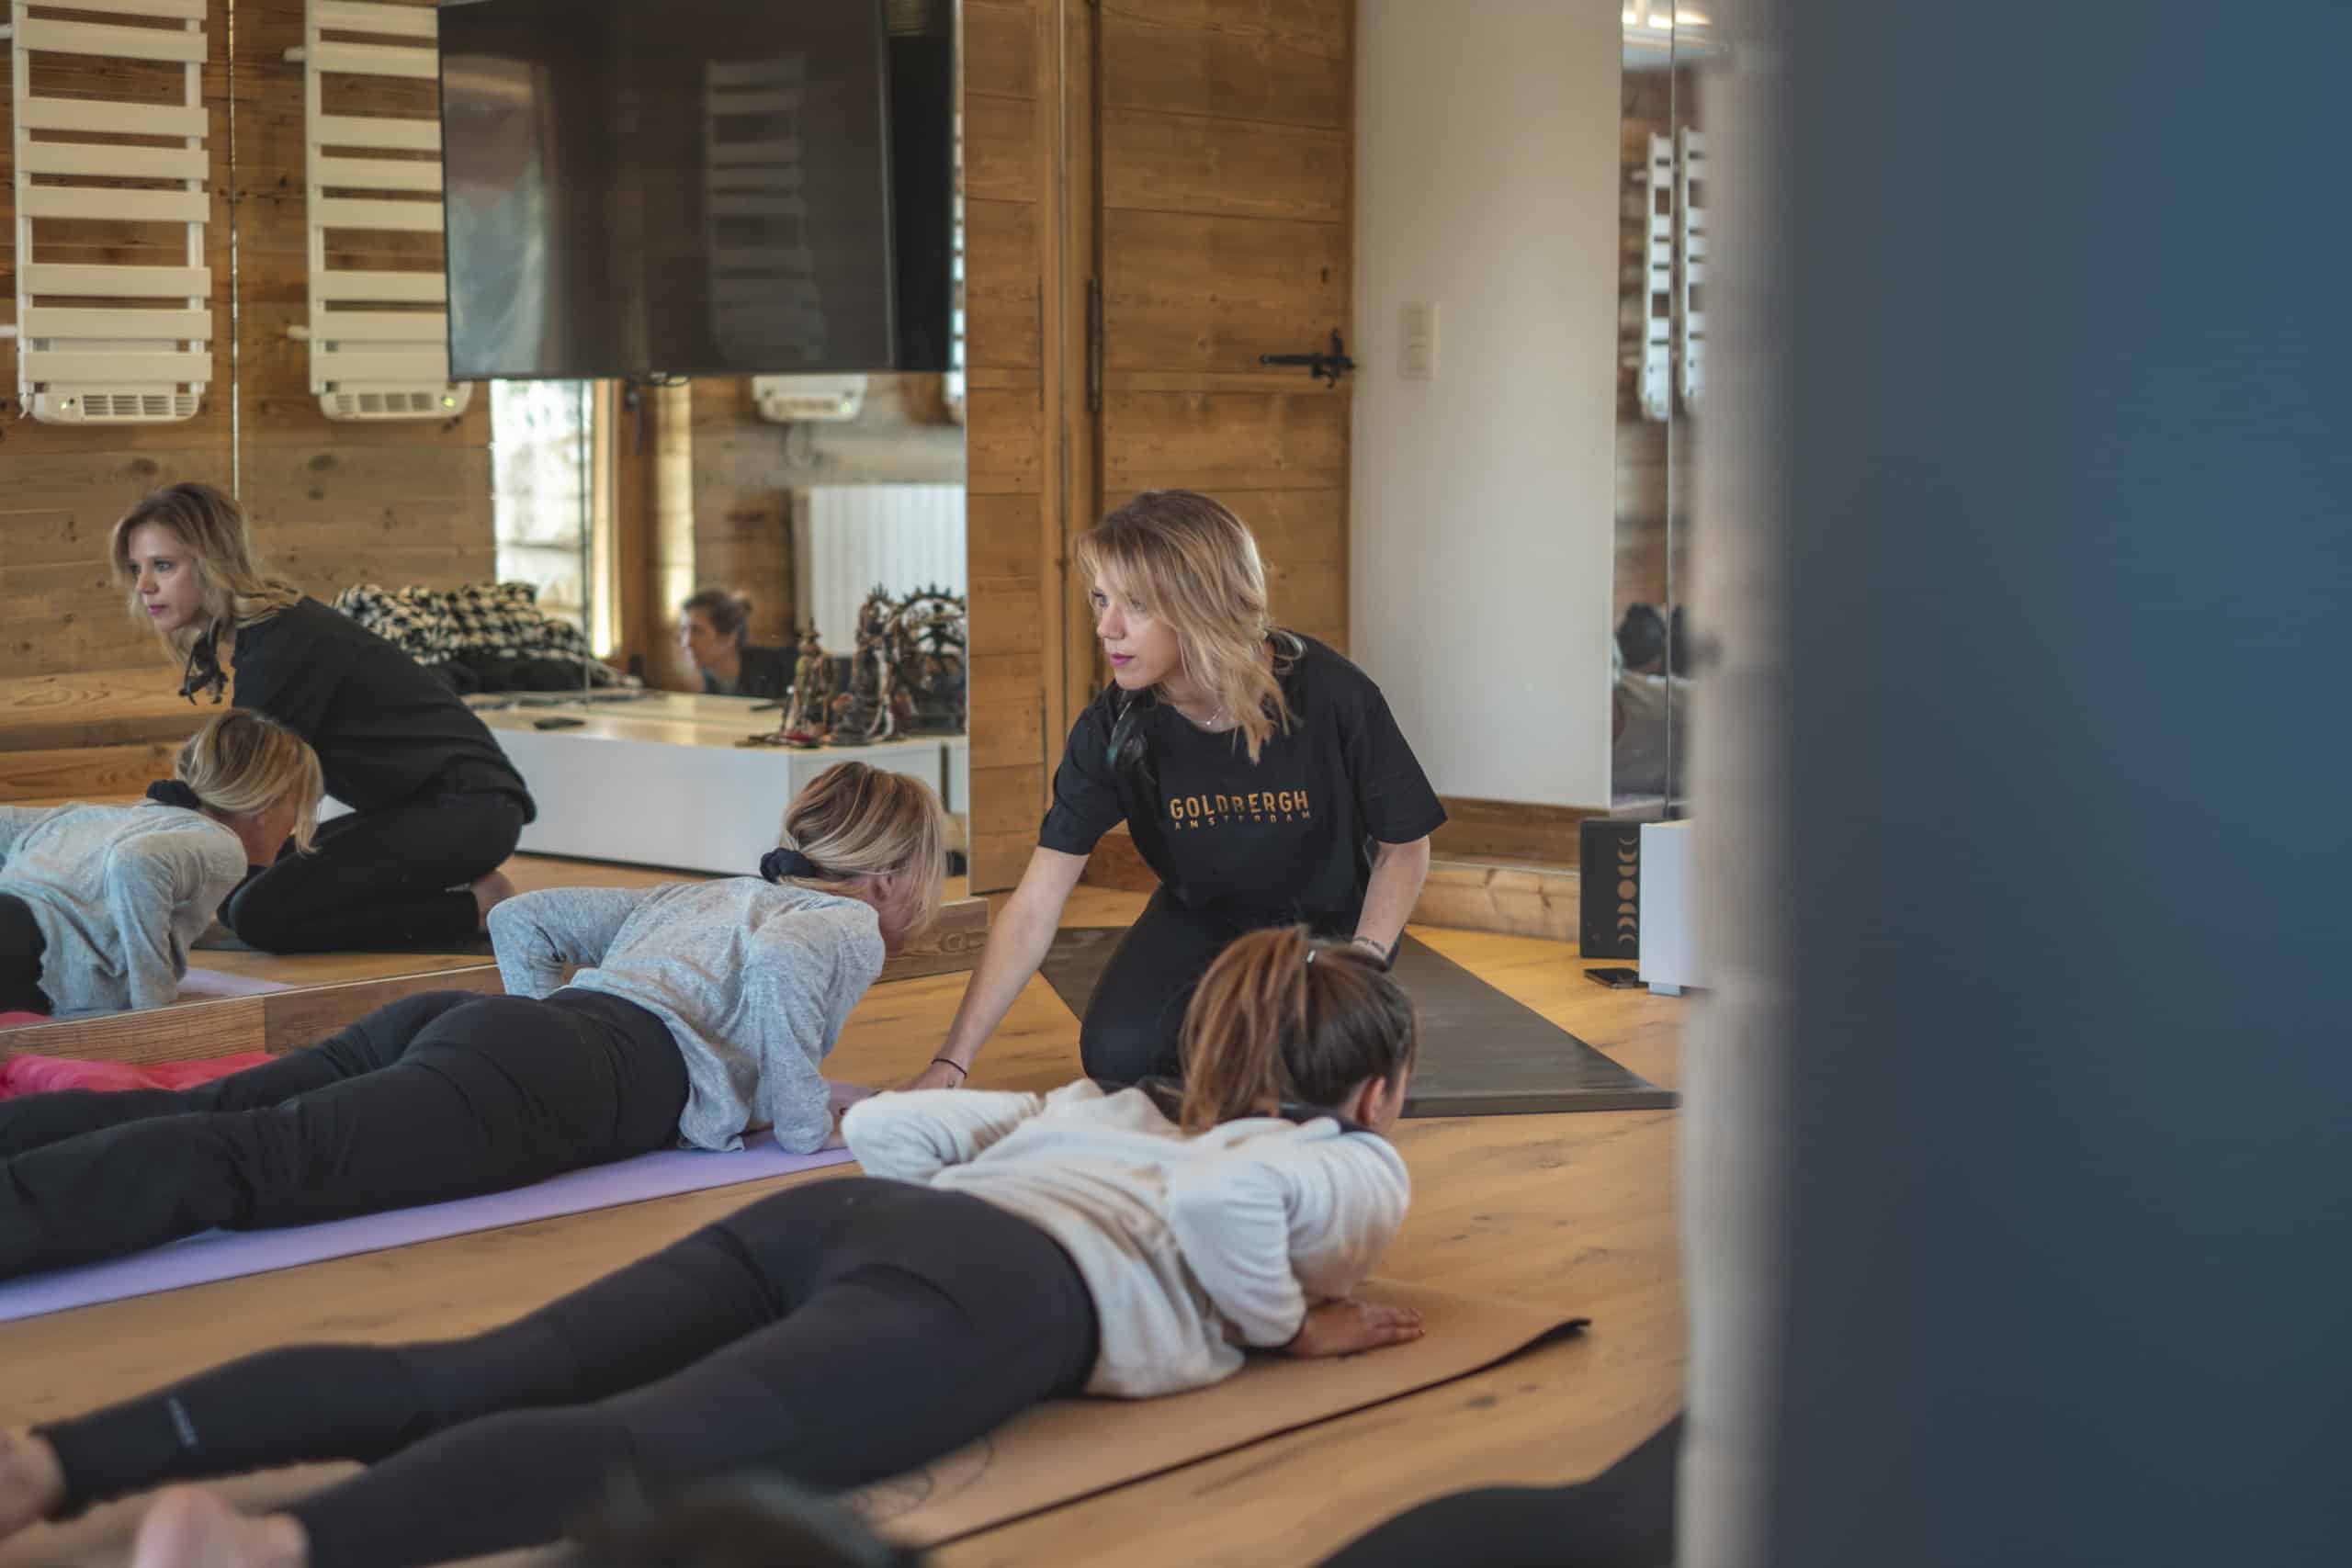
[1319, 367]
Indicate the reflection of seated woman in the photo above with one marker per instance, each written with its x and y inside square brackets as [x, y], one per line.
[435, 806]
[99, 904]
[711, 629]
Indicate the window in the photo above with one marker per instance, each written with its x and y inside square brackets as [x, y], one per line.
[543, 494]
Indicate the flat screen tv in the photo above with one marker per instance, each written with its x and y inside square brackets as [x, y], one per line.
[696, 187]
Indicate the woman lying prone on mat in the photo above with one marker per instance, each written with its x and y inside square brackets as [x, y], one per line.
[99, 903]
[841, 1332]
[702, 1012]
[1260, 773]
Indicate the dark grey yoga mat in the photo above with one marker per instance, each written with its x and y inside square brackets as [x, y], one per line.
[1482, 1053]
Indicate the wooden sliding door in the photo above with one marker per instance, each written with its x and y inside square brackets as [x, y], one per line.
[1158, 192]
[1225, 150]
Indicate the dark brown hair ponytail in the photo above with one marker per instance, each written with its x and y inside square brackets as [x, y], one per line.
[1281, 1017]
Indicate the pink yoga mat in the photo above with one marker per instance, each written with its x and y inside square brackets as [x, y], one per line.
[227, 1255]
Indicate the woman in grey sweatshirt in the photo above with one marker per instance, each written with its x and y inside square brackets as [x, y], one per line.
[700, 1014]
[1001, 1249]
[99, 903]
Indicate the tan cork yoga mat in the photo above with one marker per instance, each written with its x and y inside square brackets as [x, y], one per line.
[1049, 1456]
[1072, 1449]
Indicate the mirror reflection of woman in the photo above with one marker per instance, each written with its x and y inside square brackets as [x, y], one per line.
[435, 806]
[1261, 774]
[714, 629]
[100, 904]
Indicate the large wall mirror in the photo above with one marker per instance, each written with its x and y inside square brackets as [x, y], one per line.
[1661, 383]
[674, 589]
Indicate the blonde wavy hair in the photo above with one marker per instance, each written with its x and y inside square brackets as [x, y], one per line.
[236, 590]
[856, 820]
[240, 763]
[1192, 563]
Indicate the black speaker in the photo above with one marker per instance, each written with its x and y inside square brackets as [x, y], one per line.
[1609, 885]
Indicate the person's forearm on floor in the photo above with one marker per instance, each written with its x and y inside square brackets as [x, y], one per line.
[1398, 873]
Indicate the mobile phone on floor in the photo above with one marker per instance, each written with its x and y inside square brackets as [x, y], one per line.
[1615, 979]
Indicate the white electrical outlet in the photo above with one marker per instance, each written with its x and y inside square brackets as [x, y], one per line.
[1418, 359]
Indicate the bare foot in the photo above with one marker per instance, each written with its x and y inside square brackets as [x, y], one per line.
[190, 1527]
[491, 892]
[31, 1484]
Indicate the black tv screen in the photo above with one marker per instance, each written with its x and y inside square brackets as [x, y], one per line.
[696, 187]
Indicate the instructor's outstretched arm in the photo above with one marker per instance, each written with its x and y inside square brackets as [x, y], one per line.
[1018, 939]
[1398, 873]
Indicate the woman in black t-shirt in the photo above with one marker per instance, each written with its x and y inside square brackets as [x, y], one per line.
[435, 806]
[1261, 773]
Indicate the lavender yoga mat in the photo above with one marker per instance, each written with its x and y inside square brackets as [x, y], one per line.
[205, 985]
[227, 1255]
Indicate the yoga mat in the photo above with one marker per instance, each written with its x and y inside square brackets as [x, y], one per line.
[1070, 1449]
[212, 983]
[1051, 1456]
[1482, 1053]
[228, 1255]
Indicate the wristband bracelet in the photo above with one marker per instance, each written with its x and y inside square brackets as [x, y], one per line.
[1387, 955]
[962, 1072]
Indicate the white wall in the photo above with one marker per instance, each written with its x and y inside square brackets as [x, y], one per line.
[1483, 526]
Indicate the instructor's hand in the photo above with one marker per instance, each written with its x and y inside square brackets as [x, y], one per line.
[1347, 1326]
[938, 1075]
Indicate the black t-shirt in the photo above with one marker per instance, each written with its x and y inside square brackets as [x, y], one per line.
[386, 728]
[766, 673]
[1290, 833]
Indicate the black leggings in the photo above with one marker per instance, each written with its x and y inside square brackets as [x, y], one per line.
[381, 879]
[1623, 1518]
[21, 947]
[444, 1095]
[1137, 1014]
[839, 1332]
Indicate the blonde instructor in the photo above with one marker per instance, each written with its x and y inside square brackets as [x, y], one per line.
[1261, 773]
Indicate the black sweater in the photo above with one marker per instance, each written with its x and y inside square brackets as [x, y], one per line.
[386, 728]
[766, 673]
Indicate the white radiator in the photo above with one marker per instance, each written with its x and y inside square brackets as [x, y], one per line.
[847, 538]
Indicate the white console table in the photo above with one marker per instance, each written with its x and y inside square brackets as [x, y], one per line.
[661, 781]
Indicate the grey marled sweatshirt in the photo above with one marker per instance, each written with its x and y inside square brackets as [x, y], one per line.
[120, 893]
[754, 979]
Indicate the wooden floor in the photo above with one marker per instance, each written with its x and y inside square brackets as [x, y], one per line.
[1571, 1209]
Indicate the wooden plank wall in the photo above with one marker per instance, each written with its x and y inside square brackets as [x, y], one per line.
[1013, 191]
[334, 502]
[1225, 146]
[742, 510]
[62, 486]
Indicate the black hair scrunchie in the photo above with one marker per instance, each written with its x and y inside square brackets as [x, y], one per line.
[785, 861]
[172, 792]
